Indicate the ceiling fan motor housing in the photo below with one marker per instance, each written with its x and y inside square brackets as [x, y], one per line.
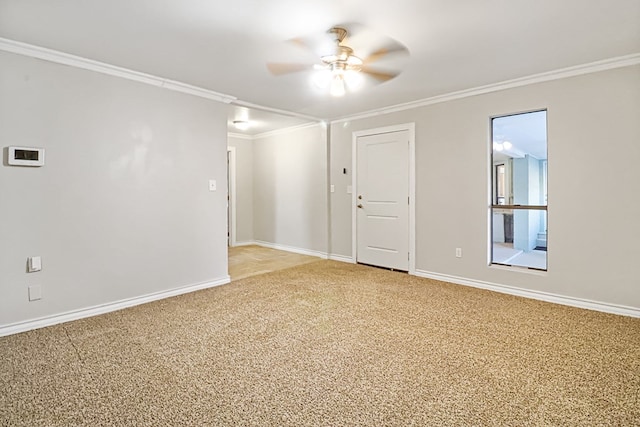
[339, 32]
[343, 58]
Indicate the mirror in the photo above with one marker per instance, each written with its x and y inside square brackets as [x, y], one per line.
[519, 183]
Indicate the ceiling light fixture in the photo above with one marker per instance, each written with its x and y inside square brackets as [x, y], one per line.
[339, 75]
[507, 148]
[499, 146]
[337, 85]
[241, 124]
[341, 69]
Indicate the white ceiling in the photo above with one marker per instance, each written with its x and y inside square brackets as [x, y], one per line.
[261, 121]
[224, 45]
[527, 133]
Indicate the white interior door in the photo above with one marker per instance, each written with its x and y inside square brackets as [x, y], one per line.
[382, 186]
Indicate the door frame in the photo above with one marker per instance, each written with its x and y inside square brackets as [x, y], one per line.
[231, 193]
[411, 128]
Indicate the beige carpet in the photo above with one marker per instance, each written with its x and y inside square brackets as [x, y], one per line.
[328, 344]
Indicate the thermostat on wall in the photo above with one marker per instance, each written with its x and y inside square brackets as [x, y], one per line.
[26, 156]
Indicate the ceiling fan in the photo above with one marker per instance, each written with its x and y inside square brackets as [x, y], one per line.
[340, 68]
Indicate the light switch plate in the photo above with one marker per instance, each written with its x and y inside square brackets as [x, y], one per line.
[212, 185]
[333, 188]
[349, 189]
[34, 264]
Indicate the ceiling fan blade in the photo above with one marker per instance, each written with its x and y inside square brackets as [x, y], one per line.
[379, 75]
[384, 51]
[279, 68]
[301, 42]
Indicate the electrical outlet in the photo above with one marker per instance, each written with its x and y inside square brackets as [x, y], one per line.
[35, 293]
[458, 252]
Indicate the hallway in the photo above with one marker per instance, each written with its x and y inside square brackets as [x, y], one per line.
[251, 260]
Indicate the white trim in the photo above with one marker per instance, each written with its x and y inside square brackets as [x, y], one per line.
[592, 67]
[288, 129]
[247, 243]
[341, 258]
[412, 198]
[293, 249]
[50, 55]
[232, 193]
[275, 110]
[354, 198]
[327, 193]
[14, 328]
[411, 128]
[239, 136]
[276, 132]
[537, 295]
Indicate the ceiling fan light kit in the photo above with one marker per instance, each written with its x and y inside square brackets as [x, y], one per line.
[337, 85]
[343, 66]
[340, 70]
[337, 80]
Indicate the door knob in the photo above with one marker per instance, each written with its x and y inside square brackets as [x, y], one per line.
[360, 206]
[360, 196]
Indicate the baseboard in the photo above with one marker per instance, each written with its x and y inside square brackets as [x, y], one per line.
[341, 258]
[68, 316]
[249, 243]
[537, 295]
[293, 249]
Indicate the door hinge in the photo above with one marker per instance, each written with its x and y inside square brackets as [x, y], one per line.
[408, 200]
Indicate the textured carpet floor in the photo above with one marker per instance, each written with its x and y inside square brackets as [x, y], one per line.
[328, 344]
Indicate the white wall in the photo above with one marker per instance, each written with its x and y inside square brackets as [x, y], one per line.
[121, 208]
[290, 188]
[594, 209]
[244, 187]
[526, 191]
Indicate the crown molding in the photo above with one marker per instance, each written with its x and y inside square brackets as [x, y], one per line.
[276, 131]
[592, 67]
[50, 55]
[239, 135]
[288, 129]
[241, 103]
